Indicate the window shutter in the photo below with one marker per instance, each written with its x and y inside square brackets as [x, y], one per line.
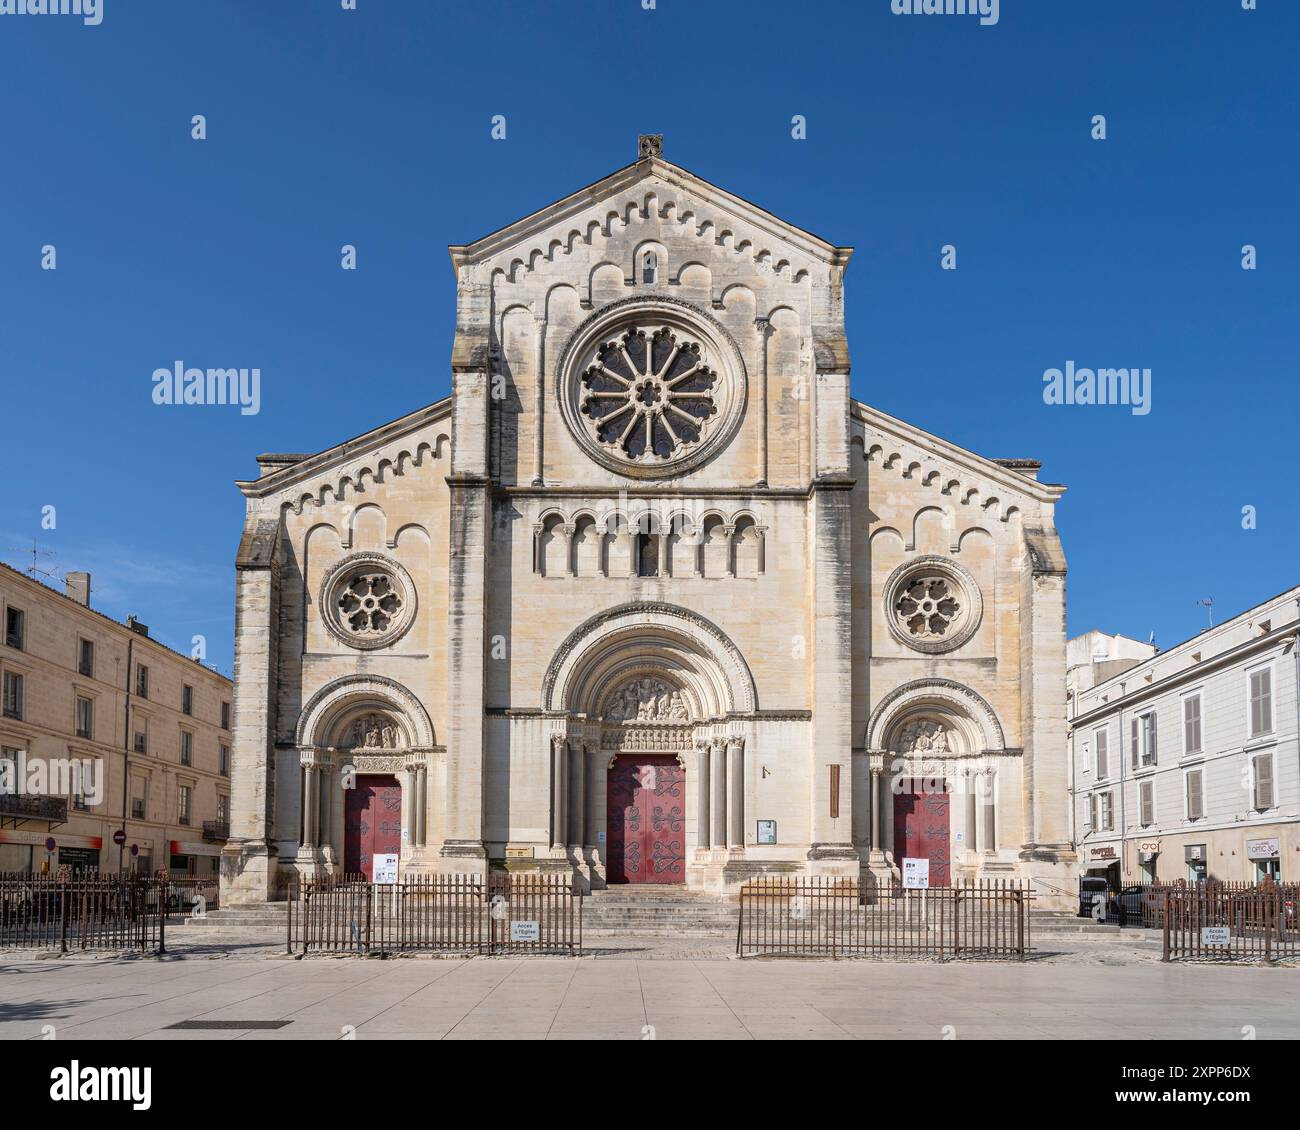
[1145, 793]
[1264, 781]
[1133, 728]
[1261, 701]
[1103, 754]
[1195, 805]
[1154, 750]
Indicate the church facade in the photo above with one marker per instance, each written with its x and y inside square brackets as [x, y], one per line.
[649, 598]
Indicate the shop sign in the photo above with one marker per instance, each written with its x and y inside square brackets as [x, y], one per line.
[1264, 849]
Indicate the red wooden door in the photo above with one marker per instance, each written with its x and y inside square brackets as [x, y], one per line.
[646, 829]
[372, 824]
[921, 832]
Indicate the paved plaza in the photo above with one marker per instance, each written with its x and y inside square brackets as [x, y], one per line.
[636, 989]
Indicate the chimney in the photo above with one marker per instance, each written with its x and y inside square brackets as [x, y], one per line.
[137, 627]
[78, 587]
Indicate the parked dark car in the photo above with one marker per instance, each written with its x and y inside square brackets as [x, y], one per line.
[1090, 888]
[1134, 905]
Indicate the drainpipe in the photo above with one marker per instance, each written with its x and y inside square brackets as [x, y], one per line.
[1123, 788]
[126, 748]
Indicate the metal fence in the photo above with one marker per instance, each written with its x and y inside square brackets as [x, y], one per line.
[826, 917]
[506, 914]
[71, 911]
[1231, 922]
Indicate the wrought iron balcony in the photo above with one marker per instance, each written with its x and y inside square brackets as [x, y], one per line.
[20, 807]
[216, 830]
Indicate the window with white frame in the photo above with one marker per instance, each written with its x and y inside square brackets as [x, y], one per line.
[1101, 746]
[1260, 683]
[1107, 813]
[1192, 723]
[1142, 732]
[1194, 786]
[1261, 767]
[1146, 803]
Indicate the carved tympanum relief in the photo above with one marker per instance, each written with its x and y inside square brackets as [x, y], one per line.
[923, 737]
[373, 731]
[646, 700]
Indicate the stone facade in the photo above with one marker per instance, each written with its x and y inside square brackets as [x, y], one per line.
[72, 680]
[1185, 763]
[650, 521]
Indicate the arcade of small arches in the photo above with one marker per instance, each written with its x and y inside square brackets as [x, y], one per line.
[649, 546]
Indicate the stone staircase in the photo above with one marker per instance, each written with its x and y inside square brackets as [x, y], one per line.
[1058, 924]
[654, 911]
[261, 920]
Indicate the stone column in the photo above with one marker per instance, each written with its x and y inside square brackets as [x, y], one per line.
[559, 790]
[736, 794]
[577, 795]
[567, 531]
[310, 806]
[718, 793]
[989, 833]
[422, 805]
[702, 794]
[410, 808]
[595, 762]
[764, 328]
[972, 839]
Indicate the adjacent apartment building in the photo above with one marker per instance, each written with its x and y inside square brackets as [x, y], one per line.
[102, 730]
[1185, 764]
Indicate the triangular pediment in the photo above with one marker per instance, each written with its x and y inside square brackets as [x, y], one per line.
[676, 194]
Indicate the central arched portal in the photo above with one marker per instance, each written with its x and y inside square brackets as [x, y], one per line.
[655, 698]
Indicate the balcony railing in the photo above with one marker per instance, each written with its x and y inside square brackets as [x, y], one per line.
[20, 806]
[216, 830]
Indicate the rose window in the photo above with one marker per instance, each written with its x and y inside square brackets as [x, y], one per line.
[369, 603]
[928, 607]
[367, 600]
[648, 396]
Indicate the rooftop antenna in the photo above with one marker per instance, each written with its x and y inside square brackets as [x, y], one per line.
[36, 555]
[1208, 605]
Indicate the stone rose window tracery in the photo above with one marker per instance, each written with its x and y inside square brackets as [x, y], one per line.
[368, 604]
[367, 601]
[932, 604]
[649, 394]
[929, 608]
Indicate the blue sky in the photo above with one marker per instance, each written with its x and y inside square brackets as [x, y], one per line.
[372, 127]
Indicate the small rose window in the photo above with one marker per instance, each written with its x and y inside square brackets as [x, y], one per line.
[928, 608]
[368, 600]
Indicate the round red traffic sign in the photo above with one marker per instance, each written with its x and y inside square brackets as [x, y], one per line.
[119, 837]
[50, 844]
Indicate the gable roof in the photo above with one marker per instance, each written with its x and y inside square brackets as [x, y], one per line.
[644, 169]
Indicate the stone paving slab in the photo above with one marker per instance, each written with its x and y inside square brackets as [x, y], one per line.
[1095, 991]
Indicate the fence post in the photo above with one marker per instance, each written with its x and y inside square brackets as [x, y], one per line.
[62, 888]
[162, 917]
[1164, 904]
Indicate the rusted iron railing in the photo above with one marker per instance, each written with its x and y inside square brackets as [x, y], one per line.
[827, 917]
[1231, 922]
[506, 914]
[71, 911]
